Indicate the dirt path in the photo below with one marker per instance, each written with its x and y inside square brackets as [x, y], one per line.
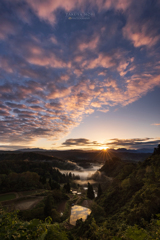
[28, 203]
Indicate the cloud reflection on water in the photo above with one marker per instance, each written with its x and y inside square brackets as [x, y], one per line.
[78, 212]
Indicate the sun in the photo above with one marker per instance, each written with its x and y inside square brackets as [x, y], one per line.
[103, 148]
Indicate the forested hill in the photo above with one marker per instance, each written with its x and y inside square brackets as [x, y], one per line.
[135, 191]
[30, 156]
[116, 166]
[129, 208]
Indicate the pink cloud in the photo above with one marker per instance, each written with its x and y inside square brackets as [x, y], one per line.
[102, 73]
[103, 110]
[78, 72]
[6, 28]
[96, 104]
[44, 60]
[101, 61]
[64, 77]
[92, 44]
[5, 88]
[156, 124]
[59, 93]
[46, 9]
[140, 33]
[117, 4]
[53, 40]
[5, 65]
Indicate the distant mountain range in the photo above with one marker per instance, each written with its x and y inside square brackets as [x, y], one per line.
[141, 150]
[77, 156]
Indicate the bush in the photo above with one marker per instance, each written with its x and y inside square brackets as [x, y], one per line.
[55, 232]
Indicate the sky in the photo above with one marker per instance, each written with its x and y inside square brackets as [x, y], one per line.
[79, 74]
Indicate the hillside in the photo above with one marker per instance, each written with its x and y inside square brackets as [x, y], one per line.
[129, 207]
[35, 157]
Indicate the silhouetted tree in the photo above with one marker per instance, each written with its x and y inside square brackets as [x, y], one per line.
[48, 206]
[157, 150]
[67, 187]
[90, 193]
[43, 179]
[53, 184]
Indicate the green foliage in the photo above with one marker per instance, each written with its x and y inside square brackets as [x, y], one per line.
[118, 168]
[49, 203]
[55, 215]
[55, 232]
[98, 212]
[20, 181]
[67, 210]
[18, 175]
[12, 228]
[99, 190]
[7, 197]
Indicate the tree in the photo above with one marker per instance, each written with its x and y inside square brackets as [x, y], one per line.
[53, 184]
[99, 190]
[157, 150]
[48, 205]
[67, 187]
[43, 179]
[90, 193]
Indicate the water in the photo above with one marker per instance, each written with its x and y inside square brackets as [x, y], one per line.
[78, 212]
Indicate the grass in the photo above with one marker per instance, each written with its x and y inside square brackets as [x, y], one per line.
[6, 197]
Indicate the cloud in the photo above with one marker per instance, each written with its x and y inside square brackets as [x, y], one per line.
[47, 10]
[138, 35]
[79, 142]
[134, 143]
[141, 30]
[156, 124]
[11, 148]
[54, 72]
[6, 28]
[91, 45]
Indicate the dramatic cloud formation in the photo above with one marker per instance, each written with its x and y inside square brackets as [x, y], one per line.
[135, 143]
[54, 70]
[80, 142]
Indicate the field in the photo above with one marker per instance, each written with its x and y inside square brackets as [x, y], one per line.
[27, 203]
[6, 197]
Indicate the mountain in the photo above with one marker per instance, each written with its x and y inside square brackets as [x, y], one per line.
[141, 150]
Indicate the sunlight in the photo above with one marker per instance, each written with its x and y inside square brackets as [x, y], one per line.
[103, 148]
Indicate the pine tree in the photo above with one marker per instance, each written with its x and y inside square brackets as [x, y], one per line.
[68, 187]
[90, 192]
